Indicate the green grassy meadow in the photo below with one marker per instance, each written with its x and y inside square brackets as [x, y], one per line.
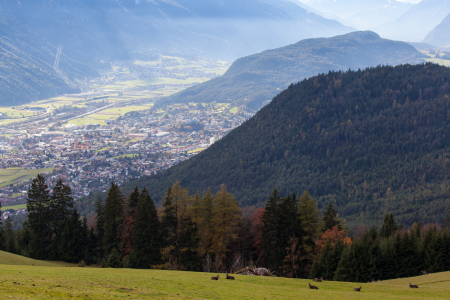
[44, 282]
[7, 258]
[439, 61]
[18, 175]
[14, 207]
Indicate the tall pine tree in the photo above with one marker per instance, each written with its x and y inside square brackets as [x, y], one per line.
[39, 218]
[147, 238]
[113, 224]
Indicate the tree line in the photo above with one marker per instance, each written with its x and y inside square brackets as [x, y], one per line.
[290, 236]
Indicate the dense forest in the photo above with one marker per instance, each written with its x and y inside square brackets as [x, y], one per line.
[253, 79]
[371, 141]
[290, 236]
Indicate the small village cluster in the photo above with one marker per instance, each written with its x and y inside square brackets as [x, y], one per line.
[89, 157]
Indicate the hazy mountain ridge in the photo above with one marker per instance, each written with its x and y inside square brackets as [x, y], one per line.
[372, 141]
[26, 72]
[256, 78]
[440, 35]
[109, 29]
[360, 14]
[417, 22]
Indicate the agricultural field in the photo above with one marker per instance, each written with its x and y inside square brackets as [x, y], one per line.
[108, 114]
[443, 62]
[39, 282]
[18, 175]
[13, 207]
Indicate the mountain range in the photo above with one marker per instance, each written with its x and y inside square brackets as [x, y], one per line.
[117, 29]
[371, 141]
[417, 22]
[360, 14]
[254, 79]
[440, 35]
[94, 32]
[27, 70]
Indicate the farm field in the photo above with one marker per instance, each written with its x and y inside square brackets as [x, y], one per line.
[109, 113]
[17, 175]
[39, 282]
[443, 62]
[13, 207]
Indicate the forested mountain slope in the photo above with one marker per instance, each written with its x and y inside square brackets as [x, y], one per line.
[254, 79]
[26, 66]
[371, 141]
[440, 35]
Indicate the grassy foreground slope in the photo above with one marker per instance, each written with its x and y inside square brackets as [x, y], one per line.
[91, 283]
[7, 258]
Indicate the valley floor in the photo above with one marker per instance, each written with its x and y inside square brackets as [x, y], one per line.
[38, 282]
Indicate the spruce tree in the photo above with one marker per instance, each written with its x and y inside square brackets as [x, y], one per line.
[99, 227]
[39, 218]
[270, 231]
[61, 207]
[169, 230]
[133, 199]
[330, 218]
[113, 224]
[71, 249]
[389, 226]
[147, 238]
[10, 237]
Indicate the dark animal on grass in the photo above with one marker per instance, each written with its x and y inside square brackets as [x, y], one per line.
[229, 277]
[357, 289]
[413, 286]
[215, 277]
[313, 287]
[318, 280]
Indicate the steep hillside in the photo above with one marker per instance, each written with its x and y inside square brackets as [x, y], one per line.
[371, 141]
[26, 72]
[254, 79]
[105, 29]
[440, 35]
[417, 22]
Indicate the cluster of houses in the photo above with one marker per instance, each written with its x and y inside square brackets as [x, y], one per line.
[90, 156]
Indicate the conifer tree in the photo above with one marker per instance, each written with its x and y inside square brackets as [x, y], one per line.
[330, 218]
[227, 216]
[61, 207]
[133, 199]
[205, 222]
[389, 226]
[270, 231]
[310, 223]
[39, 218]
[169, 230]
[114, 259]
[99, 227]
[10, 237]
[147, 238]
[71, 249]
[113, 224]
